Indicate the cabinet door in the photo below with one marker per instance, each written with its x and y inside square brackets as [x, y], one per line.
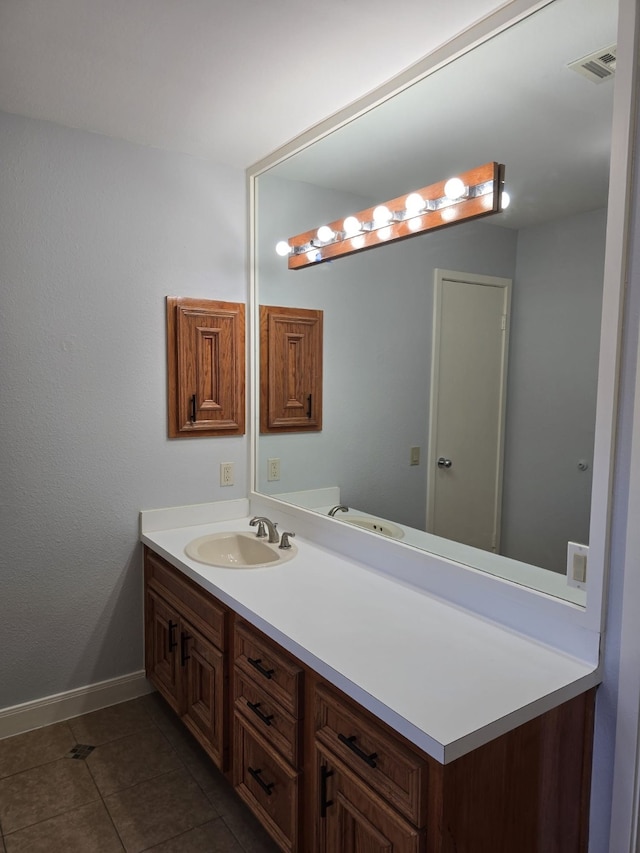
[162, 624]
[352, 819]
[203, 674]
[206, 367]
[290, 369]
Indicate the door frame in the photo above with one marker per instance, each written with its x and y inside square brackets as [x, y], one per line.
[439, 276]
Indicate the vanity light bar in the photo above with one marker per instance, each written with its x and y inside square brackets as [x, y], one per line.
[480, 195]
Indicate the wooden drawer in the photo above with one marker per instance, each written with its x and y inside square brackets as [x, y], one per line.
[270, 668]
[267, 783]
[388, 766]
[277, 726]
[198, 606]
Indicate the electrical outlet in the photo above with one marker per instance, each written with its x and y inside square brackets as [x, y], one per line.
[577, 558]
[226, 473]
[273, 469]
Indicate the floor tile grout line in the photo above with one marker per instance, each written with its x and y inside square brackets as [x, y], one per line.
[51, 817]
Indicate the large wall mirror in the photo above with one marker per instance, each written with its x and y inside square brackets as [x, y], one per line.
[513, 99]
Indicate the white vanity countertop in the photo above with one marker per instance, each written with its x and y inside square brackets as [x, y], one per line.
[446, 679]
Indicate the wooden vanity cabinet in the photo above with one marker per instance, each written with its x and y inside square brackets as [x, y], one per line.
[324, 775]
[184, 653]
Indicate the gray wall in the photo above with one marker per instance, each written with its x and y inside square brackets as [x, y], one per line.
[94, 233]
[553, 372]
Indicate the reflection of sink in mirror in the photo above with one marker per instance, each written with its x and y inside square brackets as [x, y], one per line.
[377, 525]
[237, 550]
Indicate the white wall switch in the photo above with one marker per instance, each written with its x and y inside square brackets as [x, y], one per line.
[273, 469]
[226, 473]
[577, 559]
[415, 456]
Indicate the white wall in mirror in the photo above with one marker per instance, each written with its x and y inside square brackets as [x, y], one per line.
[526, 235]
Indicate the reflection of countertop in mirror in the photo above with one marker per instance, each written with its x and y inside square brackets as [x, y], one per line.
[533, 577]
[444, 678]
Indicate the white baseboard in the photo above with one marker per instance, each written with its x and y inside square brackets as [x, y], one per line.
[72, 703]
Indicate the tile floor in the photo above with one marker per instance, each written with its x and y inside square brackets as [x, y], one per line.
[129, 777]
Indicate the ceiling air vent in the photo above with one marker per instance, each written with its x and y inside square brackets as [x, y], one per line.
[598, 66]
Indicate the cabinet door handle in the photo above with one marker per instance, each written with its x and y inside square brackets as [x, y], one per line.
[172, 637]
[193, 408]
[324, 802]
[266, 786]
[309, 400]
[256, 663]
[255, 707]
[184, 644]
[351, 743]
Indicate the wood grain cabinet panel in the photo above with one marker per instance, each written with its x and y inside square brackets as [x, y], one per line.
[384, 763]
[206, 367]
[181, 661]
[354, 819]
[290, 369]
[267, 783]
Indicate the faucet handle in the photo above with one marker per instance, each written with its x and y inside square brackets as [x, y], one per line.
[284, 541]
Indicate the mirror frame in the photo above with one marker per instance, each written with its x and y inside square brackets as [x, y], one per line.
[568, 625]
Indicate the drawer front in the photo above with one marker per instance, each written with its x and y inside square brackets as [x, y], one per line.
[266, 783]
[385, 763]
[200, 608]
[277, 726]
[271, 669]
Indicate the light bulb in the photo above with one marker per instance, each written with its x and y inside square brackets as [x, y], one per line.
[351, 226]
[414, 203]
[381, 215]
[283, 248]
[454, 188]
[384, 233]
[325, 234]
[505, 200]
[314, 255]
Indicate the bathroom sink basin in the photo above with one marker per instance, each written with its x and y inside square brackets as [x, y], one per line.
[237, 550]
[377, 525]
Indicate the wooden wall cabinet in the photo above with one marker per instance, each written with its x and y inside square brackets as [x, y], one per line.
[206, 367]
[324, 775]
[290, 369]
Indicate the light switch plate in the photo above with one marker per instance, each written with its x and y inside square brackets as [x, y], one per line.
[415, 456]
[577, 564]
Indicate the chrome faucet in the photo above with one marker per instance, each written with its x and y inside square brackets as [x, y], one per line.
[271, 526]
[338, 507]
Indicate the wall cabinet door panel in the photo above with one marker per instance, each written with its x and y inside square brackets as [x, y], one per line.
[290, 369]
[206, 367]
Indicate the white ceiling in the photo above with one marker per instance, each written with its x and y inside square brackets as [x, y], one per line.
[227, 80]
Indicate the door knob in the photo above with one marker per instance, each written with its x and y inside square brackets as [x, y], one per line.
[444, 463]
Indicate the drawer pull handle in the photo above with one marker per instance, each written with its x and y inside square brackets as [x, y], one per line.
[184, 645]
[192, 417]
[324, 802]
[173, 643]
[255, 707]
[256, 663]
[266, 786]
[351, 743]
